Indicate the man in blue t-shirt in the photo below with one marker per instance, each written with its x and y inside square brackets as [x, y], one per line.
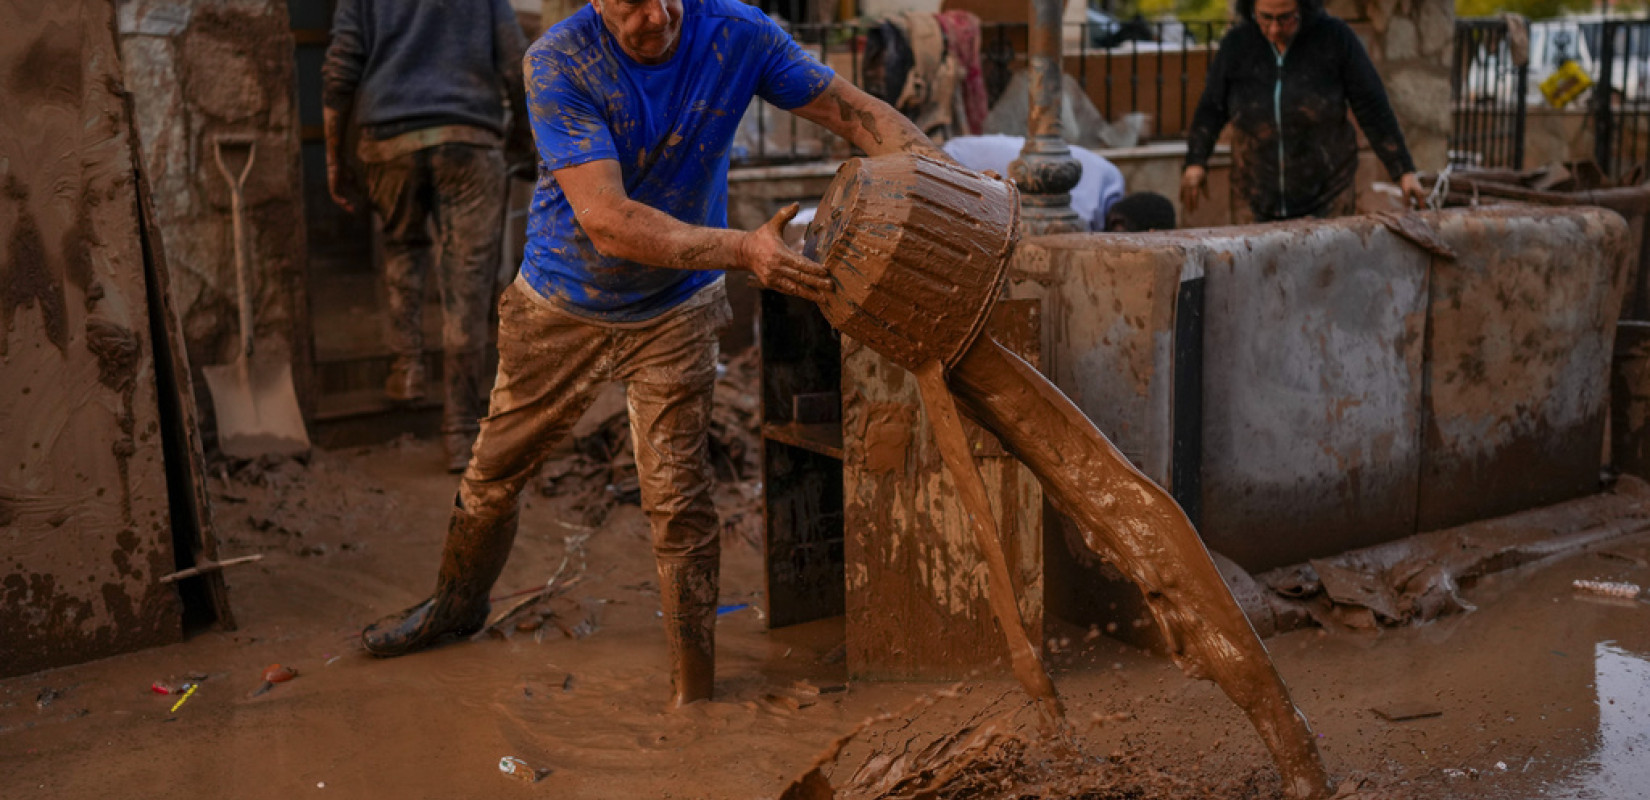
[634, 105]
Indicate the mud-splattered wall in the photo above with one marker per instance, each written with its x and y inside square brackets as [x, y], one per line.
[200, 69]
[1411, 43]
[84, 526]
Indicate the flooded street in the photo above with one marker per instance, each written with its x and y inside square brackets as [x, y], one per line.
[1539, 692]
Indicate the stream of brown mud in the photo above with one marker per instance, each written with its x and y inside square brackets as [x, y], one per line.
[1136, 526]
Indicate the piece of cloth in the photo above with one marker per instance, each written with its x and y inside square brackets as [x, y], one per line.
[930, 96]
[670, 127]
[1100, 185]
[402, 66]
[456, 192]
[552, 365]
[962, 38]
[1304, 165]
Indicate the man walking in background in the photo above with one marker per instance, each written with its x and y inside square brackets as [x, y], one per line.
[426, 84]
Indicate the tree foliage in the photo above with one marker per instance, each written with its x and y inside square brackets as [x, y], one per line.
[1533, 9]
[1205, 10]
[1187, 10]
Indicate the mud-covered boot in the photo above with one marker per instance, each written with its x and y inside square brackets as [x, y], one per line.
[687, 592]
[471, 561]
[457, 447]
[405, 383]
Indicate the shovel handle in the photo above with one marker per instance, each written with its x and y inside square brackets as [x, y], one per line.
[236, 182]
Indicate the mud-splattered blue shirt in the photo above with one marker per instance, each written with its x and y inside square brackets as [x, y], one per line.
[670, 127]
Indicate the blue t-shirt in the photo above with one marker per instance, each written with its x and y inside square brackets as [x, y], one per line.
[670, 127]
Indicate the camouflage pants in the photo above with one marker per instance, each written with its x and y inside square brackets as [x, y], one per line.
[443, 205]
[551, 366]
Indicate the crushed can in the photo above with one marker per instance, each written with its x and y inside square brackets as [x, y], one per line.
[517, 768]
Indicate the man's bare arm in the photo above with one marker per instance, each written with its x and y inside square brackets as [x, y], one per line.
[872, 125]
[620, 227]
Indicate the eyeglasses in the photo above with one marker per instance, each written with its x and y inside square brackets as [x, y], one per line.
[1280, 20]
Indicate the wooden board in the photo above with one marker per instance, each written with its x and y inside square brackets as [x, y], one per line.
[193, 534]
[917, 606]
[85, 530]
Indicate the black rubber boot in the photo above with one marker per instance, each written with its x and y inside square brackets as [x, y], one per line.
[687, 592]
[471, 561]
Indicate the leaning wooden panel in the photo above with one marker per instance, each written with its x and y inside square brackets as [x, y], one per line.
[84, 527]
[179, 417]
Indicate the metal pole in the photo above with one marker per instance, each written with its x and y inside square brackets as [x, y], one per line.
[1045, 170]
[1604, 119]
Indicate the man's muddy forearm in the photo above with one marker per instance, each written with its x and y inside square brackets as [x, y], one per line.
[636, 232]
[870, 124]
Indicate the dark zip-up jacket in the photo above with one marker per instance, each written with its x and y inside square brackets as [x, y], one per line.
[1293, 149]
[403, 65]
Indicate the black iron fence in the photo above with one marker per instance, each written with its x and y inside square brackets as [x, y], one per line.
[1151, 69]
[1488, 91]
[1492, 85]
[1621, 96]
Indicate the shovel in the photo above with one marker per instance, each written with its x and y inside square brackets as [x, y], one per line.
[257, 408]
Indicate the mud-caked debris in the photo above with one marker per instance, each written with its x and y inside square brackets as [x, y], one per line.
[518, 769]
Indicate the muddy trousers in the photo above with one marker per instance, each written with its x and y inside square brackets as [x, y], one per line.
[442, 206]
[551, 367]
[1342, 204]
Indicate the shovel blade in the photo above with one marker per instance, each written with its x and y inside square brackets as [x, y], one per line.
[257, 410]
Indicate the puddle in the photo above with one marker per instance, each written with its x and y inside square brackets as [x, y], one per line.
[1620, 764]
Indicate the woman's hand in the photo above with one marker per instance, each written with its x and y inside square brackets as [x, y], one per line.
[1414, 195]
[1194, 186]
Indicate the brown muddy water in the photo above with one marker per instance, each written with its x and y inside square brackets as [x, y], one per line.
[1539, 693]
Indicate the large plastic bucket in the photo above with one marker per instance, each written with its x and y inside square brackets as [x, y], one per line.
[918, 250]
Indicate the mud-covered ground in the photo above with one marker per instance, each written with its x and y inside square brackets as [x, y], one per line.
[1540, 692]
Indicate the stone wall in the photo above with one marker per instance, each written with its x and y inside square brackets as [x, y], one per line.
[1411, 43]
[198, 70]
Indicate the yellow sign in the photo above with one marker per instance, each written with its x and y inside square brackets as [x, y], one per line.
[1565, 84]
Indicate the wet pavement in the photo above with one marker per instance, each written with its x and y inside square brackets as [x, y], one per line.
[1540, 692]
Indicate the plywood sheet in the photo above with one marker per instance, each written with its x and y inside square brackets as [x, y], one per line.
[84, 525]
[917, 606]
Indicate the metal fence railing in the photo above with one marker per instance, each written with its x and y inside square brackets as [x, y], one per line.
[1621, 97]
[1488, 89]
[1156, 69]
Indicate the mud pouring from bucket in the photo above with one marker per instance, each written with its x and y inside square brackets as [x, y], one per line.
[917, 251]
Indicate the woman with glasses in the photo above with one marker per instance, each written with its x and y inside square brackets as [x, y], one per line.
[1284, 78]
